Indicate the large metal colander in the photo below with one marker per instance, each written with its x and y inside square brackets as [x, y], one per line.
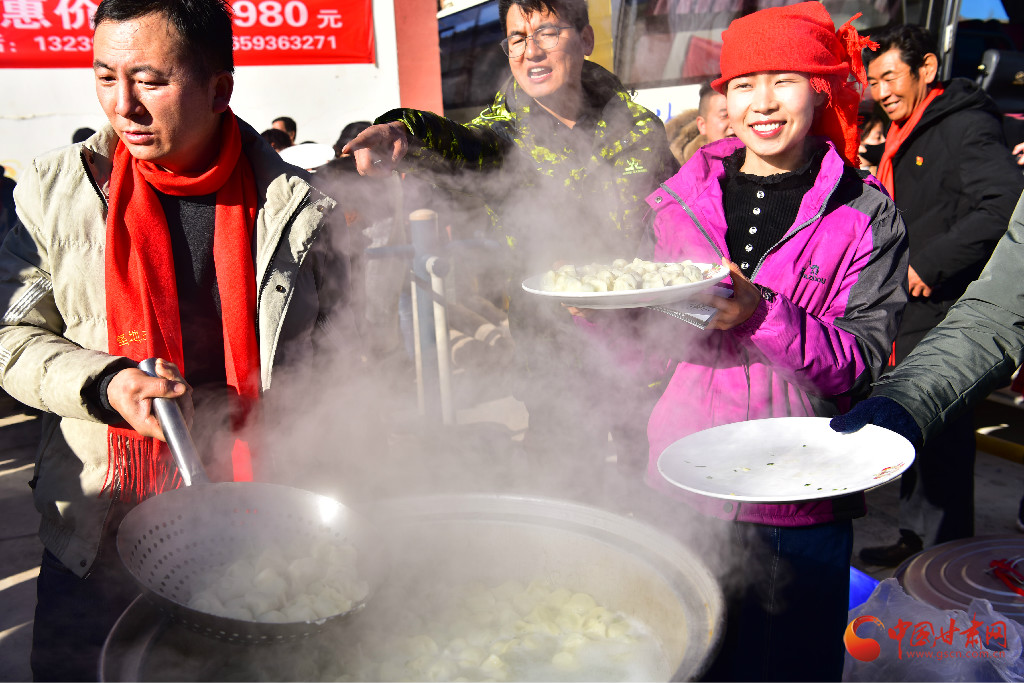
[171, 543]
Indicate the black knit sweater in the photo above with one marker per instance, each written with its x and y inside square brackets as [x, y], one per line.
[190, 222]
[760, 210]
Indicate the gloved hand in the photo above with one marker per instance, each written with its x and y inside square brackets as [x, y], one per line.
[880, 411]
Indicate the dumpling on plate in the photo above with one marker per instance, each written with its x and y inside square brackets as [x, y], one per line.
[653, 280]
[626, 282]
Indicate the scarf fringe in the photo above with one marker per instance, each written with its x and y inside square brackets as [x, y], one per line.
[137, 468]
[855, 44]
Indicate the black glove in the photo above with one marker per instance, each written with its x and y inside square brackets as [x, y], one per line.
[883, 412]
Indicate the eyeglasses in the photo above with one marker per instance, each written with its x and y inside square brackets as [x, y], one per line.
[874, 85]
[544, 38]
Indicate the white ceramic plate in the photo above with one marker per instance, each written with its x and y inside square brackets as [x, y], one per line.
[633, 298]
[784, 459]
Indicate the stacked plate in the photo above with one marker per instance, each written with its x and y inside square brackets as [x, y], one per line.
[950, 575]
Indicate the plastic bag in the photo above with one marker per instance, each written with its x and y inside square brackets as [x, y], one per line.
[918, 642]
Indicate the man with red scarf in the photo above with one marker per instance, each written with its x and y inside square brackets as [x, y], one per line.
[947, 166]
[178, 233]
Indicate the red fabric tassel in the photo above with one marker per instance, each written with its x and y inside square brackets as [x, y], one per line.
[241, 461]
[855, 44]
[138, 468]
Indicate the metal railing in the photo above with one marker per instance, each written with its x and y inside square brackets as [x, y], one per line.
[431, 263]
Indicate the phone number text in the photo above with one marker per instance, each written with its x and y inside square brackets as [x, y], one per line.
[309, 42]
[63, 43]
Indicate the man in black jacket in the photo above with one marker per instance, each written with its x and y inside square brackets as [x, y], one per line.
[955, 182]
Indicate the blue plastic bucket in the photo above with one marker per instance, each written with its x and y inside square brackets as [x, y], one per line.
[861, 587]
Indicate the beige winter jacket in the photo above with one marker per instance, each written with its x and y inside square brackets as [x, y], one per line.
[53, 336]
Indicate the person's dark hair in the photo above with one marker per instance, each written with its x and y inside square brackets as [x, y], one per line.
[349, 132]
[572, 11]
[913, 42]
[869, 115]
[277, 138]
[873, 119]
[82, 134]
[706, 91]
[289, 124]
[204, 28]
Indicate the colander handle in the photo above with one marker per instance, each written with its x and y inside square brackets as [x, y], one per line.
[168, 413]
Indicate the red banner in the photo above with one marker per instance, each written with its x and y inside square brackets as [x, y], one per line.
[58, 33]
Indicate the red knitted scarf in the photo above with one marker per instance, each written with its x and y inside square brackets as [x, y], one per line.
[142, 297]
[897, 135]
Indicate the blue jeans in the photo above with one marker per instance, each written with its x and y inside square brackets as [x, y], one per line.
[74, 615]
[785, 621]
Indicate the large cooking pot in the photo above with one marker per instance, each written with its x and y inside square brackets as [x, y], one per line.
[626, 565]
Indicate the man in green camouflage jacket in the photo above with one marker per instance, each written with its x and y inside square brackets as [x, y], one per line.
[556, 161]
[564, 159]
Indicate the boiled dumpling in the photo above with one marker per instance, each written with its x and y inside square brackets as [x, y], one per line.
[300, 612]
[285, 584]
[269, 581]
[566, 661]
[259, 602]
[236, 609]
[620, 276]
[229, 589]
[273, 617]
[206, 601]
[626, 282]
[243, 570]
[693, 273]
[568, 283]
[305, 571]
[581, 603]
[653, 280]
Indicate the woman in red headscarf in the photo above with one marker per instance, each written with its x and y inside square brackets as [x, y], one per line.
[818, 262]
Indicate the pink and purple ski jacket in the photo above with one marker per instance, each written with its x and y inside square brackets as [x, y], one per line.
[839, 275]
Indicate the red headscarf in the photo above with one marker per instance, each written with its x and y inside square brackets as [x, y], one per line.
[142, 296]
[802, 38]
